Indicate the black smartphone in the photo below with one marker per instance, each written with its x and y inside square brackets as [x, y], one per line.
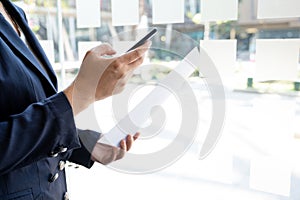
[149, 35]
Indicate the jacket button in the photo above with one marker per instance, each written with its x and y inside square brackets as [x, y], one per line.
[53, 178]
[63, 149]
[53, 154]
[61, 165]
[66, 196]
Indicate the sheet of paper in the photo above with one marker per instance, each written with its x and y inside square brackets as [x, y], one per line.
[277, 59]
[48, 47]
[167, 11]
[272, 125]
[125, 12]
[135, 119]
[84, 46]
[219, 10]
[223, 54]
[88, 13]
[278, 9]
[271, 175]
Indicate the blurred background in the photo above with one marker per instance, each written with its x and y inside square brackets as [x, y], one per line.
[255, 45]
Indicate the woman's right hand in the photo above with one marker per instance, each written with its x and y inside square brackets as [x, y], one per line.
[100, 77]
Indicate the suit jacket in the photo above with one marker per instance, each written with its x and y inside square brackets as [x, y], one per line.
[37, 129]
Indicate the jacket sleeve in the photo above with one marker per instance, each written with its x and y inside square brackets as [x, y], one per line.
[88, 140]
[40, 131]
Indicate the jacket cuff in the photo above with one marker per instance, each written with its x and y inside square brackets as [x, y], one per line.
[88, 140]
[61, 110]
[59, 104]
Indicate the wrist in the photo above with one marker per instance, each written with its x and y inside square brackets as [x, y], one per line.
[78, 101]
[69, 94]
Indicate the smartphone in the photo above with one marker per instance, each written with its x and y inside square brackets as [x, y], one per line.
[147, 37]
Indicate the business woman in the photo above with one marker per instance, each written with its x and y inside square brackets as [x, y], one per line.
[37, 130]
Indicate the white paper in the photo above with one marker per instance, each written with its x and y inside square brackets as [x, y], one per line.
[271, 175]
[88, 13]
[83, 47]
[125, 12]
[219, 10]
[222, 53]
[277, 59]
[167, 11]
[48, 47]
[272, 126]
[140, 114]
[278, 9]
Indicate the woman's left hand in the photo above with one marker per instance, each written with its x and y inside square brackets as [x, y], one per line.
[105, 154]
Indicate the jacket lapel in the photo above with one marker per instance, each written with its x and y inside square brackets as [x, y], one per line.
[19, 46]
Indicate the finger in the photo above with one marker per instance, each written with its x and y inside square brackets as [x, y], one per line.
[135, 54]
[121, 154]
[136, 136]
[123, 145]
[129, 141]
[136, 63]
[104, 49]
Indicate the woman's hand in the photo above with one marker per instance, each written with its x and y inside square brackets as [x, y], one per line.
[100, 77]
[106, 154]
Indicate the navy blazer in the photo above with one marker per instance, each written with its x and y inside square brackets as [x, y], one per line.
[37, 129]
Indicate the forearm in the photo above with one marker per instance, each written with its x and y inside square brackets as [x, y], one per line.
[36, 133]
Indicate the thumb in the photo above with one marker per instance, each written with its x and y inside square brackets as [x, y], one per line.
[103, 49]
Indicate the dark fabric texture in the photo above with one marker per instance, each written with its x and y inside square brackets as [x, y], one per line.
[37, 128]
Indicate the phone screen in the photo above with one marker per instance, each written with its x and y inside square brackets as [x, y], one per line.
[144, 39]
